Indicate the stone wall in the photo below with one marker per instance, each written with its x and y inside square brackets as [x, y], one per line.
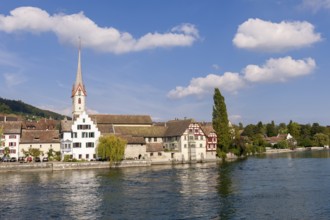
[55, 166]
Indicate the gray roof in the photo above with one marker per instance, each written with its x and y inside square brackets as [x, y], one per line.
[40, 136]
[122, 119]
[177, 127]
[140, 131]
[11, 127]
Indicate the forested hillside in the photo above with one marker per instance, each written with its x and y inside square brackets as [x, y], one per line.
[27, 111]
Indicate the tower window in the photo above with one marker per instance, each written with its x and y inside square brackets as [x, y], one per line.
[79, 101]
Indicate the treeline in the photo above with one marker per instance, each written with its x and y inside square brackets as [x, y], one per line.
[254, 138]
[27, 111]
[304, 135]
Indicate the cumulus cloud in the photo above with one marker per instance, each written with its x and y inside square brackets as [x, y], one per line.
[279, 70]
[274, 70]
[260, 35]
[199, 86]
[316, 5]
[106, 39]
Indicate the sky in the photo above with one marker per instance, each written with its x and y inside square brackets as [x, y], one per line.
[269, 58]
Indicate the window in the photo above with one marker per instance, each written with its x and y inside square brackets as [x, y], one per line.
[87, 156]
[185, 137]
[84, 134]
[84, 127]
[12, 151]
[83, 120]
[76, 145]
[155, 139]
[80, 156]
[149, 140]
[196, 137]
[74, 135]
[40, 146]
[202, 137]
[151, 154]
[89, 144]
[94, 156]
[91, 134]
[12, 136]
[159, 153]
[79, 101]
[185, 145]
[200, 145]
[12, 144]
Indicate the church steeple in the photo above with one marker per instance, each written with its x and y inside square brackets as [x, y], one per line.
[78, 90]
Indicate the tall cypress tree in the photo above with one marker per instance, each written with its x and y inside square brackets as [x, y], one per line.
[220, 121]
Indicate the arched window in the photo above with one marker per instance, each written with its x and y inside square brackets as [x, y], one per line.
[79, 101]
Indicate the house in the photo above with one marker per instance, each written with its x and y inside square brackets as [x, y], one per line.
[280, 137]
[44, 140]
[11, 135]
[211, 140]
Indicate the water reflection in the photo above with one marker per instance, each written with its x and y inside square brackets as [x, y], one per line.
[282, 186]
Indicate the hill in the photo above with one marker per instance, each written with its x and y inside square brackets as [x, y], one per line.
[25, 110]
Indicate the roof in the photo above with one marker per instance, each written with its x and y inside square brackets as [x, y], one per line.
[42, 124]
[132, 140]
[79, 85]
[177, 127]
[40, 136]
[122, 119]
[66, 125]
[207, 128]
[154, 147]
[11, 127]
[153, 131]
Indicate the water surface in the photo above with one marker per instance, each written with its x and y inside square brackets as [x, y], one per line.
[278, 186]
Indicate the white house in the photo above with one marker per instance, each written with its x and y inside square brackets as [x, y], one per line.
[11, 135]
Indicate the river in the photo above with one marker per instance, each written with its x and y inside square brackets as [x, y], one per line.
[278, 186]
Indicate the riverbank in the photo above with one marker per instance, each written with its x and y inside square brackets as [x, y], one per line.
[60, 166]
[275, 151]
[57, 166]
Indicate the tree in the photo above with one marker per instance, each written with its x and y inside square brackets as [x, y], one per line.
[271, 129]
[34, 152]
[6, 152]
[294, 129]
[321, 139]
[111, 147]
[220, 122]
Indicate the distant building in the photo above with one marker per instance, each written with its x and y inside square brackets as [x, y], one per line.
[10, 137]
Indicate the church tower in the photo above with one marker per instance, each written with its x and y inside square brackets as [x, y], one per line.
[78, 91]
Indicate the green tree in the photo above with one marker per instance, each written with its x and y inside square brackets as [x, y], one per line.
[6, 152]
[321, 139]
[260, 128]
[271, 129]
[220, 122]
[249, 131]
[282, 144]
[294, 129]
[34, 152]
[111, 147]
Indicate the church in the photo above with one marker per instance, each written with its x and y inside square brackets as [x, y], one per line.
[172, 141]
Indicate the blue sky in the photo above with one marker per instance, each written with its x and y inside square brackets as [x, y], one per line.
[269, 58]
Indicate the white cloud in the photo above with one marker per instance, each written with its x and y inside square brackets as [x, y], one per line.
[199, 86]
[274, 70]
[107, 39]
[279, 70]
[12, 79]
[316, 5]
[260, 35]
